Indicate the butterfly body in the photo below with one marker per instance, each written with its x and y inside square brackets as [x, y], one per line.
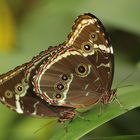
[73, 75]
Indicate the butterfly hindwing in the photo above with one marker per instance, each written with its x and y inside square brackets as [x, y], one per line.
[77, 89]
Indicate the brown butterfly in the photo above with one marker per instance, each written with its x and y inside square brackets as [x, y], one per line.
[76, 74]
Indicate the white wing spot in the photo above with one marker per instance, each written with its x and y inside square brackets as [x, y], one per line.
[104, 65]
[104, 48]
[111, 50]
[86, 86]
[35, 111]
[97, 31]
[18, 107]
[87, 93]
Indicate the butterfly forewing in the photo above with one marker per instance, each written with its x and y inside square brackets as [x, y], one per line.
[89, 36]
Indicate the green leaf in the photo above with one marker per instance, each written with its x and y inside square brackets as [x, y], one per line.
[32, 128]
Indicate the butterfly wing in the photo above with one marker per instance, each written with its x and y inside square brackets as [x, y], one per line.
[35, 63]
[89, 36]
[75, 90]
[18, 96]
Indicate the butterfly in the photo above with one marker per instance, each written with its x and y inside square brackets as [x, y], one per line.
[73, 75]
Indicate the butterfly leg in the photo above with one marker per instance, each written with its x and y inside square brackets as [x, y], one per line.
[113, 96]
[80, 115]
[100, 109]
[120, 104]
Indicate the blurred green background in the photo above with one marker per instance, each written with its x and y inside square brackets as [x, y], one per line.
[30, 26]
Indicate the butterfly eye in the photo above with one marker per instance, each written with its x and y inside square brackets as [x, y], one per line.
[19, 89]
[87, 47]
[58, 96]
[94, 36]
[8, 94]
[82, 70]
[64, 77]
[59, 86]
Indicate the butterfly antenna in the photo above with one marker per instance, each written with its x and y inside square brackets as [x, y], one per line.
[124, 86]
[123, 80]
